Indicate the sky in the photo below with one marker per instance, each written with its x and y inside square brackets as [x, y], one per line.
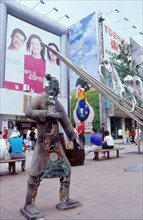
[77, 10]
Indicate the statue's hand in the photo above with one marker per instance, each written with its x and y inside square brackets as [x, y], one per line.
[54, 115]
[76, 144]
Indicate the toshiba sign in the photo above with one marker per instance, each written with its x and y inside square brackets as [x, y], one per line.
[112, 39]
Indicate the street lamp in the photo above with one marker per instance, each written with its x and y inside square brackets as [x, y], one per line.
[123, 19]
[53, 9]
[101, 19]
[63, 17]
[141, 33]
[112, 11]
[41, 1]
[130, 27]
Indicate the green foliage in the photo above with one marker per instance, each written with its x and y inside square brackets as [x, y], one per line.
[127, 65]
[93, 99]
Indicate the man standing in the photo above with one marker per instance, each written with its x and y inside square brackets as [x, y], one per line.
[133, 134]
[95, 142]
[102, 131]
[120, 135]
[81, 132]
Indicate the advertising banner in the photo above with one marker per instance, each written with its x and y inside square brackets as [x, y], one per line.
[27, 61]
[111, 39]
[84, 53]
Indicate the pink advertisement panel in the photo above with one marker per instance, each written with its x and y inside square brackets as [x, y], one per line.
[27, 61]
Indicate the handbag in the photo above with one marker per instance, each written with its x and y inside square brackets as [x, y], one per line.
[7, 155]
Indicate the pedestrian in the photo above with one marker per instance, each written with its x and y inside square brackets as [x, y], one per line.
[5, 134]
[81, 132]
[102, 131]
[95, 142]
[32, 138]
[2, 146]
[133, 135]
[127, 136]
[137, 136]
[120, 136]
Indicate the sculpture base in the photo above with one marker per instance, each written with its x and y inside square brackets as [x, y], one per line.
[70, 205]
[76, 158]
[29, 216]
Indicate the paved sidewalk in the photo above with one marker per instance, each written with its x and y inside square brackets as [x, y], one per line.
[108, 190]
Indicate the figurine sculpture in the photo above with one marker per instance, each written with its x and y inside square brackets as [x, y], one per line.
[48, 112]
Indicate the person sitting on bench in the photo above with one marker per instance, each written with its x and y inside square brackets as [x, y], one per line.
[95, 142]
[16, 149]
[108, 142]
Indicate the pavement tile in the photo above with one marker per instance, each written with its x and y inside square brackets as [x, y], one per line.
[103, 187]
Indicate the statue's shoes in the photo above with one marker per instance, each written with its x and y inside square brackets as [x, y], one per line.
[31, 212]
[71, 203]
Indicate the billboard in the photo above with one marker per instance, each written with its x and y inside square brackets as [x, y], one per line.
[84, 53]
[137, 55]
[26, 60]
[111, 40]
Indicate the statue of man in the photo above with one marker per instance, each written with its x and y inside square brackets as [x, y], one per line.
[48, 112]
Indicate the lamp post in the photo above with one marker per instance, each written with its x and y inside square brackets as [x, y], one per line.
[66, 16]
[116, 10]
[41, 1]
[101, 19]
[130, 27]
[53, 9]
[123, 19]
[141, 33]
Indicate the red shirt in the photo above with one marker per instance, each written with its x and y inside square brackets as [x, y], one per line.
[80, 129]
[5, 134]
[132, 132]
[34, 72]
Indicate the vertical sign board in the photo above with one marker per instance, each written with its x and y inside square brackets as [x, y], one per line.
[84, 53]
[137, 55]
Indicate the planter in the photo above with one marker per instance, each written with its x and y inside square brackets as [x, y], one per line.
[76, 158]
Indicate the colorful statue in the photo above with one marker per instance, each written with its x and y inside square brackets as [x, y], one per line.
[49, 159]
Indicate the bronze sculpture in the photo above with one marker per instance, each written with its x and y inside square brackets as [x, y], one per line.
[48, 112]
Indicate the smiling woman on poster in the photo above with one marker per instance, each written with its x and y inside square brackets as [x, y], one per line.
[53, 62]
[34, 65]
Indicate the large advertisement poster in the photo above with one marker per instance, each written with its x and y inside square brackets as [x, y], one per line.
[27, 61]
[84, 53]
[112, 39]
[137, 56]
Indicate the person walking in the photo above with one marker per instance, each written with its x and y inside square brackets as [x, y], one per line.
[120, 136]
[133, 135]
[127, 136]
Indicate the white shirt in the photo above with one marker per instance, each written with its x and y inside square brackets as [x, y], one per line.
[109, 140]
[2, 148]
[120, 132]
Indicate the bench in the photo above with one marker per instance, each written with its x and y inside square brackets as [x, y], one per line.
[12, 163]
[117, 149]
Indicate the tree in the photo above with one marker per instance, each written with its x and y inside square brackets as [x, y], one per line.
[127, 65]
